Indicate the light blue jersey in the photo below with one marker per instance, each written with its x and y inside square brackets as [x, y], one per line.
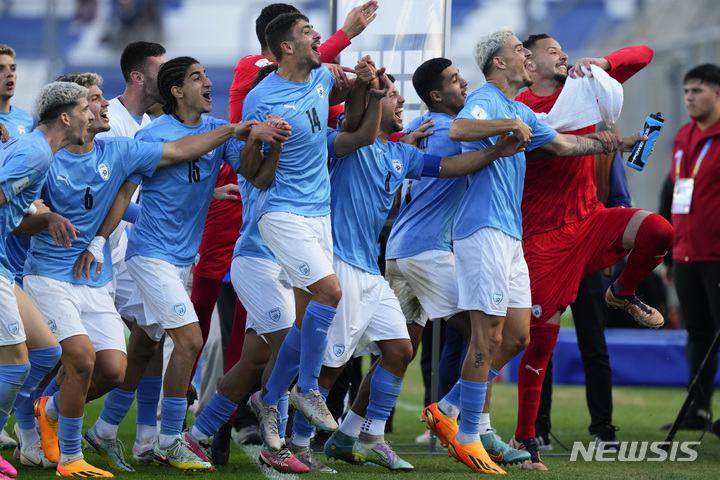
[428, 206]
[17, 122]
[301, 184]
[363, 187]
[250, 242]
[495, 192]
[175, 200]
[82, 188]
[24, 164]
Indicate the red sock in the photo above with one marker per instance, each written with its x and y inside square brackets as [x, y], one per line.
[237, 337]
[204, 296]
[531, 374]
[652, 241]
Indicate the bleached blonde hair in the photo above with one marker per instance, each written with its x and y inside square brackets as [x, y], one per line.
[56, 98]
[488, 45]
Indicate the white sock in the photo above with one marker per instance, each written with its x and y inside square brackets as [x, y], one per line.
[105, 430]
[485, 426]
[374, 426]
[466, 438]
[300, 441]
[147, 434]
[166, 440]
[198, 435]
[51, 409]
[352, 424]
[29, 437]
[448, 408]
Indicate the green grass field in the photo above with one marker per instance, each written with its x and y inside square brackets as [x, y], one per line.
[637, 411]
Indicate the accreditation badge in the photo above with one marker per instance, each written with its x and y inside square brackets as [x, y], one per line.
[682, 195]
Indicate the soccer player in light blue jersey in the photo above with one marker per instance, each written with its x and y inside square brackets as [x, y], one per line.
[17, 122]
[83, 184]
[364, 182]
[43, 349]
[139, 64]
[163, 245]
[420, 265]
[492, 275]
[64, 119]
[294, 215]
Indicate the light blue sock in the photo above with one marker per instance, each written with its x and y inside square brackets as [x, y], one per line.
[117, 405]
[12, 378]
[42, 361]
[51, 389]
[492, 374]
[316, 323]
[472, 400]
[70, 435]
[283, 409]
[384, 391]
[217, 412]
[289, 358]
[172, 414]
[148, 397]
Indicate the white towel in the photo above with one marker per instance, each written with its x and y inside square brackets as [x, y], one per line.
[585, 101]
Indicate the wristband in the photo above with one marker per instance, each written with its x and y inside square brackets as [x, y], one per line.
[32, 209]
[95, 247]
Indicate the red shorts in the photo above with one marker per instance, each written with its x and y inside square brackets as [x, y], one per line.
[559, 259]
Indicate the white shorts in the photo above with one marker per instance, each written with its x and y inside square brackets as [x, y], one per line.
[270, 306]
[72, 309]
[302, 245]
[492, 275]
[431, 276]
[161, 301]
[368, 312]
[409, 302]
[122, 284]
[12, 331]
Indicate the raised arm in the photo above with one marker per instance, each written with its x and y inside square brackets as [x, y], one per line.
[109, 224]
[367, 76]
[356, 21]
[621, 65]
[348, 142]
[470, 129]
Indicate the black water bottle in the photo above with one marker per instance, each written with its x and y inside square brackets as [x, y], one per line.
[642, 149]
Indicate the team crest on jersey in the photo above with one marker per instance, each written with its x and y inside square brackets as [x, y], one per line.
[104, 171]
[20, 185]
[397, 165]
[497, 298]
[274, 314]
[320, 91]
[536, 311]
[338, 349]
[14, 327]
[479, 113]
[21, 130]
[305, 269]
[52, 325]
[180, 308]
